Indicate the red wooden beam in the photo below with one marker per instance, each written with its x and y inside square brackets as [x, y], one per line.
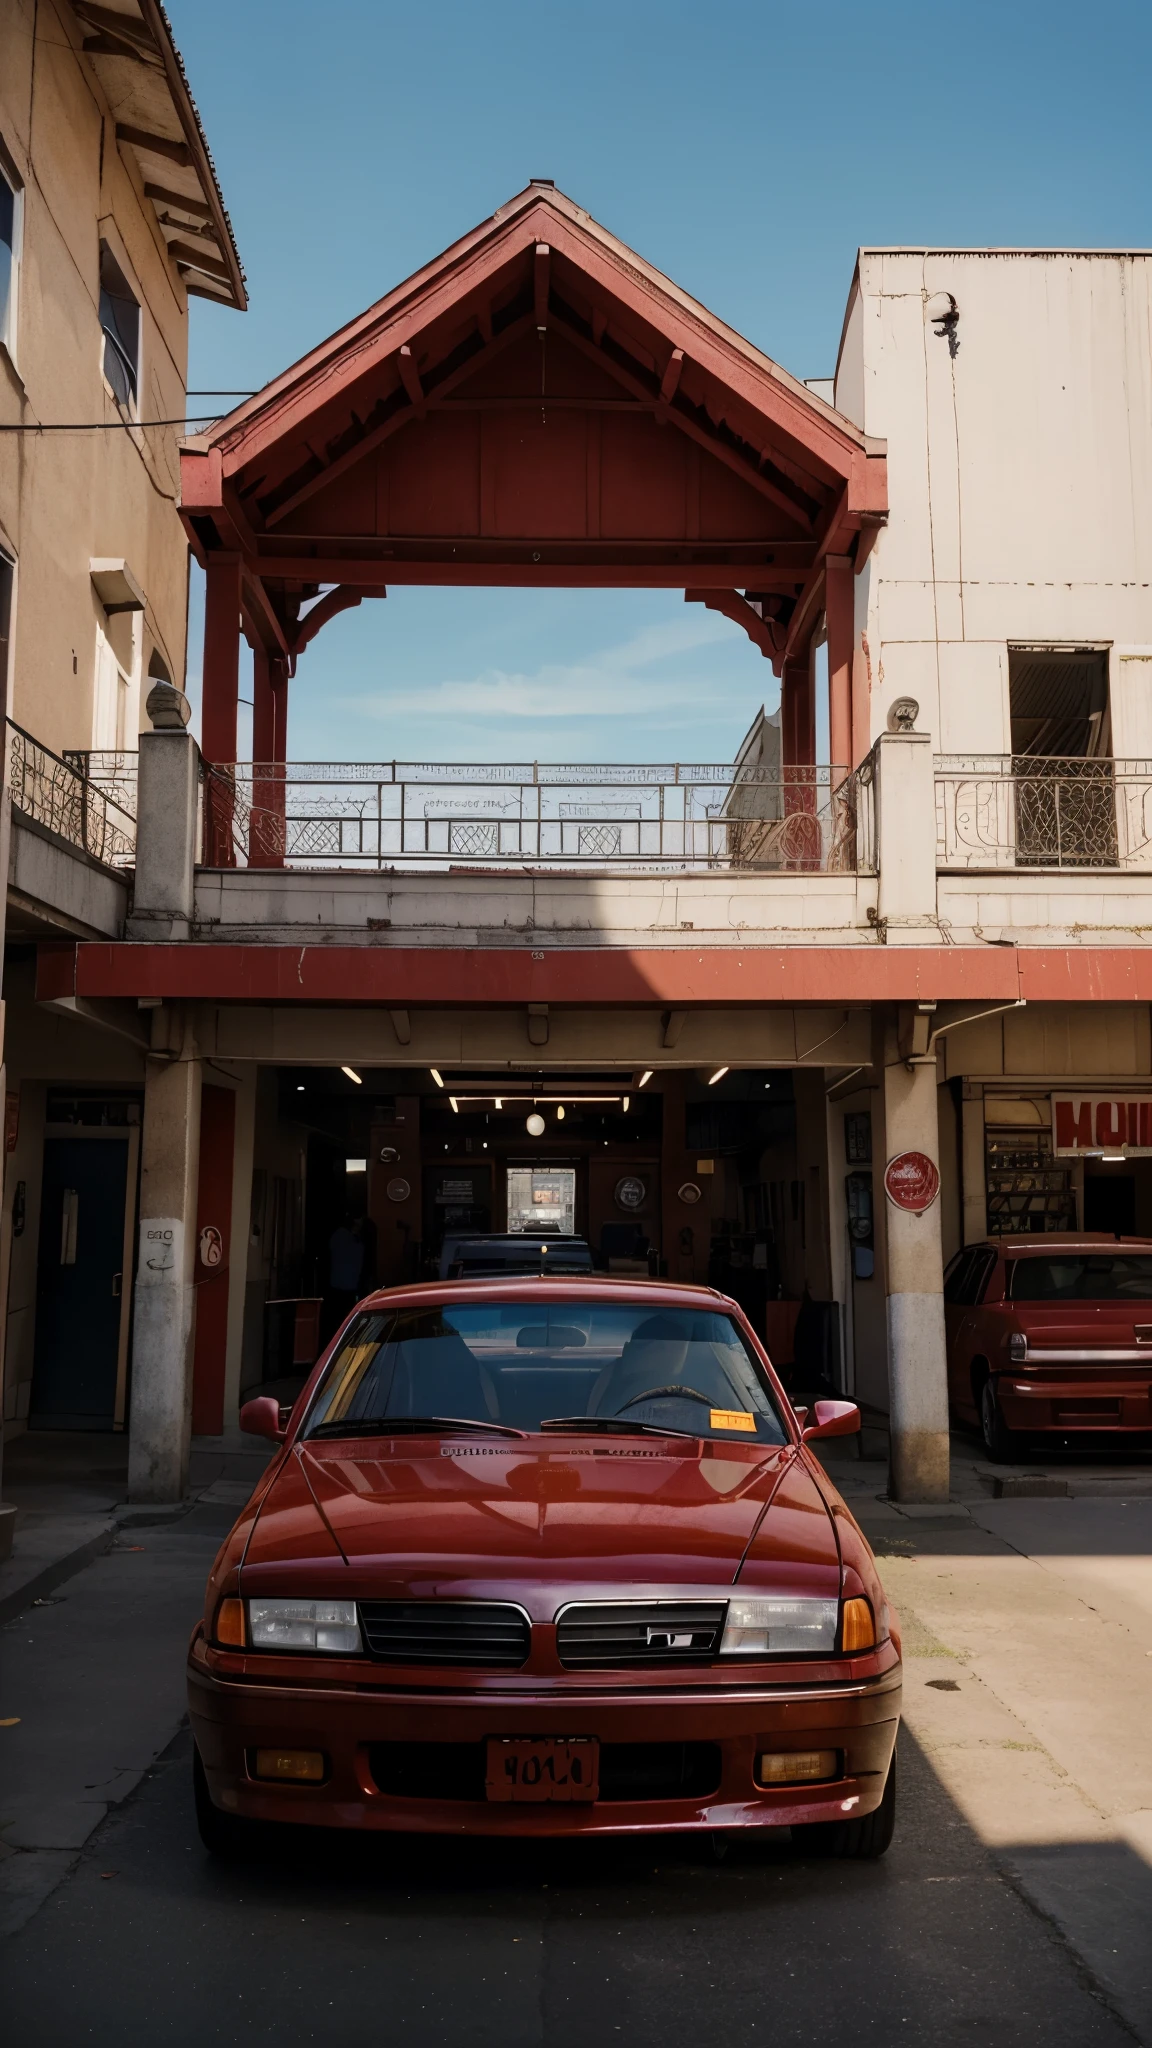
[541, 264]
[612, 573]
[459, 977]
[760, 631]
[410, 375]
[839, 605]
[671, 377]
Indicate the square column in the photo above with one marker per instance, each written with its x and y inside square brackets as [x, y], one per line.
[160, 1420]
[917, 1365]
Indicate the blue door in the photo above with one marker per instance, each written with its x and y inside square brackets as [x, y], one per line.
[79, 1283]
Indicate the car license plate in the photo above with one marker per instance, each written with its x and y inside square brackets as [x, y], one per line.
[543, 1767]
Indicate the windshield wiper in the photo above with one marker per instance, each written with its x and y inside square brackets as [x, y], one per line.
[614, 1425]
[409, 1425]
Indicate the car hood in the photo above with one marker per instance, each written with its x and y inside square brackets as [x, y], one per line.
[587, 1512]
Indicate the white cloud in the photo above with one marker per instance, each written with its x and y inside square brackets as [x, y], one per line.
[605, 685]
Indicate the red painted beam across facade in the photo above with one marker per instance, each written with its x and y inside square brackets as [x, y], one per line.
[454, 977]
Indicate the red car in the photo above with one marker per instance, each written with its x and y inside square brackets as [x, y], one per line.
[1050, 1336]
[547, 1557]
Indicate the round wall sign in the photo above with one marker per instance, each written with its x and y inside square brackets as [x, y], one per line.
[398, 1190]
[630, 1193]
[689, 1192]
[211, 1246]
[911, 1181]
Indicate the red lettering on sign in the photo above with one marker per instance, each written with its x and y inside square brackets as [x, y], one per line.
[1110, 1123]
[1074, 1126]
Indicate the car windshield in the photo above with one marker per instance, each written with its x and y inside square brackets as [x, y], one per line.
[522, 1365]
[1081, 1276]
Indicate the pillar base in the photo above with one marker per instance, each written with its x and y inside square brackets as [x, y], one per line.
[919, 1468]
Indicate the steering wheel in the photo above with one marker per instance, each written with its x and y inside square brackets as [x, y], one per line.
[655, 1393]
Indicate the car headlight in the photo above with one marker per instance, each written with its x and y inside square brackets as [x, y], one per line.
[305, 1625]
[775, 1627]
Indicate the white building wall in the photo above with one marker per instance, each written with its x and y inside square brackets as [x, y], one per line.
[1020, 477]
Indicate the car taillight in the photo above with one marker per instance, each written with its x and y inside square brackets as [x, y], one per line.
[1018, 1346]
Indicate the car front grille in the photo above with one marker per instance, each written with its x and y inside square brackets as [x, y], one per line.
[484, 1635]
[628, 1770]
[641, 1633]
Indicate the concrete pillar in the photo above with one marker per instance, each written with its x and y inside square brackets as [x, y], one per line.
[917, 1374]
[167, 794]
[905, 797]
[161, 1412]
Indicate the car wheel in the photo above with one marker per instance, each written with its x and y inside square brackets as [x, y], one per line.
[1000, 1442]
[857, 1840]
[223, 1834]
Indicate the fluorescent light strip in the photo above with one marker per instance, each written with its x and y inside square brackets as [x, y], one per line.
[352, 1075]
[717, 1076]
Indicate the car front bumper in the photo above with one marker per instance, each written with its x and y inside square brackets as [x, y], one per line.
[232, 1717]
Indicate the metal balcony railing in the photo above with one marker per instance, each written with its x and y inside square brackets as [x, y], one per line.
[645, 819]
[93, 807]
[1029, 811]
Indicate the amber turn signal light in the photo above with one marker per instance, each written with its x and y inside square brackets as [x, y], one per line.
[798, 1767]
[300, 1766]
[857, 1628]
[230, 1624]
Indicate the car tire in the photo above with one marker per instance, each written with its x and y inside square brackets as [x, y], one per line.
[225, 1835]
[859, 1841]
[1001, 1443]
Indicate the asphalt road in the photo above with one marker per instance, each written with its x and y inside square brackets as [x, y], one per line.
[500, 1947]
[136, 1935]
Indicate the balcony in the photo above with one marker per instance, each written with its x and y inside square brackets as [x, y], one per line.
[87, 799]
[1003, 811]
[585, 818]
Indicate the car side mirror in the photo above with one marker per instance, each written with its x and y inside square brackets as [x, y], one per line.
[833, 1418]
[261, 1417]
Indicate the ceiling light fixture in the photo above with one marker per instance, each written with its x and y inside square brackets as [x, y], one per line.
[627, 1100]
[436, 1076]
[535, 1126]
[717, 1076]
[455, 1104]
[352, 1075]
[560, 1113]
[499, 1103]
[645, 1078]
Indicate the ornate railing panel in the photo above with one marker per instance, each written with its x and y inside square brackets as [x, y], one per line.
[96, 815]
[1027, 811]
[643, 818]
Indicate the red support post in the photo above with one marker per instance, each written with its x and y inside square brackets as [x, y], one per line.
[269, 746]
[219, 700]
[839, 603]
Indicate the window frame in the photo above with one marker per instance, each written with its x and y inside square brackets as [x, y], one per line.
[10, 324]
[113, 251]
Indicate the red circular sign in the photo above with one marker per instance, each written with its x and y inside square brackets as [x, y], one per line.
[911, 1181]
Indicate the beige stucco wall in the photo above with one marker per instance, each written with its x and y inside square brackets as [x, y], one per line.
[1020, 477]
[67, 498]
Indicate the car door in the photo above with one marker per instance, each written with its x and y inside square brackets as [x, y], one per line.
[955, 1308]
[973, 1332]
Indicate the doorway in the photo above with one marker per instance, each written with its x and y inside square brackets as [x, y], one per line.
[1110, 1203]
[83, 1284]
[542, 1198]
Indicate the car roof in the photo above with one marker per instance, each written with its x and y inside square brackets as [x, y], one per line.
[540, 1287]
[1054, 1241]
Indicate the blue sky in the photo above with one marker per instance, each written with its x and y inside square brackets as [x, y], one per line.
[747, 149]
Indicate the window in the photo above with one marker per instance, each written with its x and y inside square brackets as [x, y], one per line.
[120, 323]
[611, 1366]
[10, 213]
[1081, 1276]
